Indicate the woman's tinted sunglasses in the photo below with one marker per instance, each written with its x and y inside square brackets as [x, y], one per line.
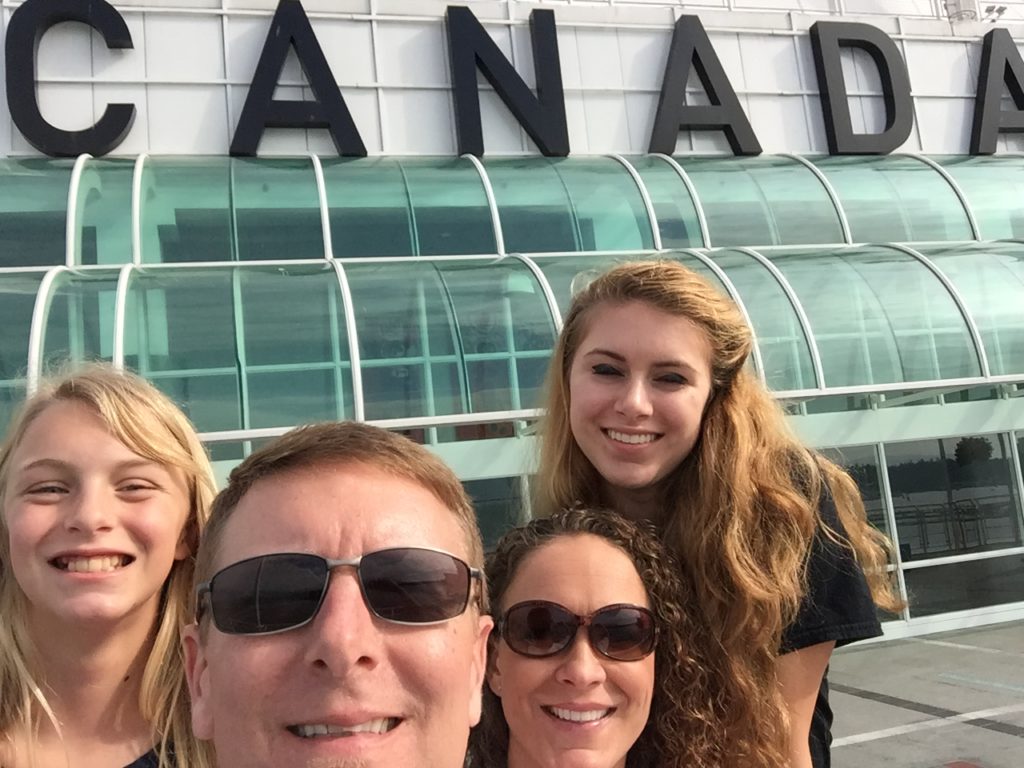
[274, 593]
[539, 628]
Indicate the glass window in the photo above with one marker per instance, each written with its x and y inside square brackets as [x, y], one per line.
[781, 340]
[105, 212]
[993, 186]
[499, 506]
[552, 206]
[408, 207]
[861, 461]
[878, 316]
[17, 300]
[990, 279]
[33, 211]
[276, 209]
[954, 496]
[407, 341]
[243, 348]
[962, 586]
[186, 210]
[180, 333]
[673, 205]
[296, 358]
[79, 321]
[762, 201]
[503, 321]
[229, 209]
[895, 198]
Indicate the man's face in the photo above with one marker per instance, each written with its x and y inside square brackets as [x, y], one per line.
[256, 696]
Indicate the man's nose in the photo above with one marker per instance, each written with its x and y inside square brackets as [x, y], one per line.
[344, 635]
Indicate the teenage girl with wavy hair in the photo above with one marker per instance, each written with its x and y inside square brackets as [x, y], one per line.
[104, 487]
[638, 696]
[653, 411]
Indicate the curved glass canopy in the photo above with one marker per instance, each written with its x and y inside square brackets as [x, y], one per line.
[269, 344]
[161, 210]
[264, 293]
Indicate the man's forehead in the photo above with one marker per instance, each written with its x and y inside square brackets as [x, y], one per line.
[336, 509]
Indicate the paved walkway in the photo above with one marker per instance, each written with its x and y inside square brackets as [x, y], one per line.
[951, 700]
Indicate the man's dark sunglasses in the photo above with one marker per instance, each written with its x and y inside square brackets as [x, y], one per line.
[274, 593]
[539, 628]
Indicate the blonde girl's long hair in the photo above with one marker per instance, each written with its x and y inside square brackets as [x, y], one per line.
[740, 512]
[148, 423]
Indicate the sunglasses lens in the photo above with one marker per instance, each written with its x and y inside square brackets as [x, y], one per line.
[625, 633]
[267, 594]
[414, 586]
[538, 628]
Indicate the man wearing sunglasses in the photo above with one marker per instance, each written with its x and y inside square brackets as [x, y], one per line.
[340, 607]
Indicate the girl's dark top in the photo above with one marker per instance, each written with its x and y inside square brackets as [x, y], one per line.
[837, 607]
[148, 760]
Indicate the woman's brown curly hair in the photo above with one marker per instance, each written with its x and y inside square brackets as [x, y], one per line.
[740, 512]
[685, 726]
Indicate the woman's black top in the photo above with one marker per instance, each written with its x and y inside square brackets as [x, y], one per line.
[148, 760]
[837, 607]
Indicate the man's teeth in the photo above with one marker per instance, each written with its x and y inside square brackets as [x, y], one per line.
[101, 564]
[622, 437]
[382, 725]
[577, 716]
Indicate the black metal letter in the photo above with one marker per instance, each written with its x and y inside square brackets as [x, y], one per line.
[543, 115]
[29, 22]
[691, 45]
[290, 27]
[1001, 65]
[827, 37]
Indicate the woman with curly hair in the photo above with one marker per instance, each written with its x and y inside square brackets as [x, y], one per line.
[595, 661]
[104, 487]
[653, 411]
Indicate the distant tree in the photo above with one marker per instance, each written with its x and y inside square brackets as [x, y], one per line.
[971, 449]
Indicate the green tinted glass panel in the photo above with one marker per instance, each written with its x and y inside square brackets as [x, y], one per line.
[585, 204]
[498, 504]
[105, 212]
[80, 318]
[408, 342]
[277, 209]
[296, 361]
[861, 461]
[994, 187]
[762, 201]
[33, 211]
[180, 333]
[186, 210]
[990, 279]
[502, 320]
[17, 299]
[895, 199]
[878, 316]
[673, 205]
[781, 340]
[409, 207]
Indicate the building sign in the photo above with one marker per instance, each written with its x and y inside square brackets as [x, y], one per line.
[541, 110]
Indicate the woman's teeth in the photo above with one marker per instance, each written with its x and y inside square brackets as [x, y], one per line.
[622, 437]
[576, 716]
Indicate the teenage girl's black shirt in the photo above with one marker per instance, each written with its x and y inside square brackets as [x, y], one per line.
[148, 760]
[837, 607]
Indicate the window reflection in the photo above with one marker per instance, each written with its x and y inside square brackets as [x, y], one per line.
[861, 462]
[498, 504]
[954, 496]
[962, 586]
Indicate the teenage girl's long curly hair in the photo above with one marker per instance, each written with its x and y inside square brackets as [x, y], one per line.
[148, 423]
[685, 725]
[740, 511]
